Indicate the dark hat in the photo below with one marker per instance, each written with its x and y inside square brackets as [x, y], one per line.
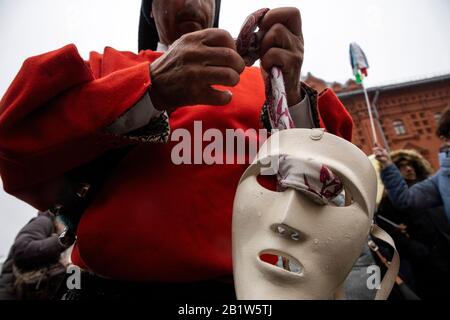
[421, 165]
[443, 128]
[148, 35]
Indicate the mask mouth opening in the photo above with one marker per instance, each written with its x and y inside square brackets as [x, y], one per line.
[282, 261]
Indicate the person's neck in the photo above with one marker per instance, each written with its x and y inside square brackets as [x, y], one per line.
[411, 182]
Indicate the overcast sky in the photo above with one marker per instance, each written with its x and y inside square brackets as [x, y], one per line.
[403, 40]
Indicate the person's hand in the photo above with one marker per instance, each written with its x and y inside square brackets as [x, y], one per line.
[282, 46]
[403, 229]
[185, 74]
[382, 156]
[59, 226]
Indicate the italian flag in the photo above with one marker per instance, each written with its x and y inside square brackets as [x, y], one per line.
[359, 62]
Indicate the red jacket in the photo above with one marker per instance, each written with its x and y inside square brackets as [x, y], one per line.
[152, 220]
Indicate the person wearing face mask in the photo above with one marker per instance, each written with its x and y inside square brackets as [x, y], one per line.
[430, 193]
[146, 226]
[420, 235]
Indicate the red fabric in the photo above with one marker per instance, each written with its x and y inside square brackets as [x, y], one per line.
[268, 182]
[153, 220]
[269, 258]
[334, 117]
[52, 115]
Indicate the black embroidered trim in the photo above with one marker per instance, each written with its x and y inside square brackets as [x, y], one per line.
[156, 131]
[313, 99]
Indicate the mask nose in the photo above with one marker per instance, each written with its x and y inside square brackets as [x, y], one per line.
[286, 231]
[289, 226]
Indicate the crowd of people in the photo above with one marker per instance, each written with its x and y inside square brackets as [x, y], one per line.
[415, 210]
[35, 268]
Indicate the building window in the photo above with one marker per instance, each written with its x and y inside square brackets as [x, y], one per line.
[416, 123]
[425, 122]
[420, 131]
[422, 115]
[437, 117]
[399, 127]
[413, 115]
[429, 130]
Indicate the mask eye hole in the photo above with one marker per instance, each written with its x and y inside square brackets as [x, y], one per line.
[344, 199]
[268, 182]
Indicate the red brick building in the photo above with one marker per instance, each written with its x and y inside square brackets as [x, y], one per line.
[407, 113]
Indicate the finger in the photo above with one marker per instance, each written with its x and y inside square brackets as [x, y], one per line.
[290, 17]
[378, 149]
[287, 61]
[223, 57]
[216, 97]
[218, 38]
[221, 76]
[281, 37]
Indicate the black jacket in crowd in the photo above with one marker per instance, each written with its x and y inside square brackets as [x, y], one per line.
[35, 246]
[424, 251]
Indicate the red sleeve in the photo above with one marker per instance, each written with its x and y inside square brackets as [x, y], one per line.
[52, 116]
[333, 115]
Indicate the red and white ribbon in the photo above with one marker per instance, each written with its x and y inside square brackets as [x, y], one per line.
[248, 45]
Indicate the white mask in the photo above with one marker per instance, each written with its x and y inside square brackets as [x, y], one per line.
[321, 241]
[442, 156]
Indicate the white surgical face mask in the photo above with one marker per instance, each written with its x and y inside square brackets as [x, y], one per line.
[443, 155]
[315, 244]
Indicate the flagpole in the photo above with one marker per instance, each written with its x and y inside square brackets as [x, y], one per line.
[369, 109]
[360, 65]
